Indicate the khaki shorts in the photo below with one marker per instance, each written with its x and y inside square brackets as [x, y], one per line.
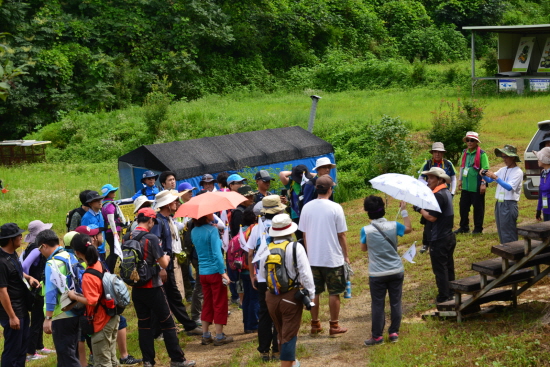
[334, 278]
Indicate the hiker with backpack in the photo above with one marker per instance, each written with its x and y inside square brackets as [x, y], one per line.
[34, 264]
[74, 217]
[267, 334]
[101, 312]
[149, 189]
[294, 182]
[213, 278]
[287, 269]
[114, 219]
[61, 317]
[94, 217]
[386, 271]
[142, 259]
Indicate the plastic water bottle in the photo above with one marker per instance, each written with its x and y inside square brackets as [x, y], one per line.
[347, 294]
[109, 302]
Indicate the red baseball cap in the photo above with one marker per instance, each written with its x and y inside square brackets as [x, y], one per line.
[89, 230]
[148, 212]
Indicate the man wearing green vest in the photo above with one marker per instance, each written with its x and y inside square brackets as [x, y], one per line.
[472, 184]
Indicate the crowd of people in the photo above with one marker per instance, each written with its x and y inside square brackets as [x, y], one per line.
[271, 255]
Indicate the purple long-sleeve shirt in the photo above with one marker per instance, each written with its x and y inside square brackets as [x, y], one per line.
[32, 259]
[544, 191]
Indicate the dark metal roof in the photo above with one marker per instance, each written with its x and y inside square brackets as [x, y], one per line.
[23, 143]
[519, 29]
[189, 158]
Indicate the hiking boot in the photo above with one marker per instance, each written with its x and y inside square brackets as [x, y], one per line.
[424, 249]
[477, 231]
[462, 230]
[316, 328]
[394, 337]
[182, 364]
[206, 341]
[224, 340]
[196, 331]
[335, 329]
[374, 341]
[276, 356]
[129, 361]
[265, 357]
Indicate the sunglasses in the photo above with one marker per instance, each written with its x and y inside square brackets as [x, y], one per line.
[471, 141]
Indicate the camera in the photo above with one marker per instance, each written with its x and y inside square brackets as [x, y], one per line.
[238, 264]
[484, 172]
[303, 295]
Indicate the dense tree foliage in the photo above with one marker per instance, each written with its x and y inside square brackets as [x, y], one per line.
[97, 55]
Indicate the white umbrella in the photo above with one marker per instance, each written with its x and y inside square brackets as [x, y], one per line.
[406, 188]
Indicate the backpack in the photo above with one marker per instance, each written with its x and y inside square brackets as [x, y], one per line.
[70, 214]
[187, 244]
[75, 270]
[278, 280]
[134, 270]
[235, 253]
[115, 287]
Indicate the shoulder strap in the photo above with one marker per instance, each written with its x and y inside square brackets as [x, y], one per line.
[94, 272]
[384, 235]
[143, 191]
[139, 236]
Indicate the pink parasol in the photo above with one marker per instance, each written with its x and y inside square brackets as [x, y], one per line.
[208, 203]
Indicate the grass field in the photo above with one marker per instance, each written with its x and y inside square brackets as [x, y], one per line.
[514, 337]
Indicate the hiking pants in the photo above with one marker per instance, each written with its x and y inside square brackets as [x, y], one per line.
[197, 297]
[36, 333]
[506, 216]
[393, 285]
[286, 313]
[15, 342]
[146, 302]
[267, 334]
[112, 258]
[477, 200]
[214, 308]
[441, 255]
[175, 301]
[186, 275]
[250, 304]
[65, 335]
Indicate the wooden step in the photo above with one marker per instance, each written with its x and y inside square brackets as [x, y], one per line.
[473, 283]
[515, 250]
[491, 296]
[493, 267]
[535, 231]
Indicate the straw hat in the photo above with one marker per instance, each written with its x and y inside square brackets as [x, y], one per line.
[166, 197]
[138, 203]
[282, 225]
[438, 172]
[272, 204]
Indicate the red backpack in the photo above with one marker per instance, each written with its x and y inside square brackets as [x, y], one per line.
[237, 258]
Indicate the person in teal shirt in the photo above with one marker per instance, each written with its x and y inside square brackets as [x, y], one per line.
[473, 161]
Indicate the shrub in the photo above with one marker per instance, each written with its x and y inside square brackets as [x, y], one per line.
[451, 122]
[434, 44]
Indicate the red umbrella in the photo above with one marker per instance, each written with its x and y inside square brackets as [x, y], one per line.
[208, 203]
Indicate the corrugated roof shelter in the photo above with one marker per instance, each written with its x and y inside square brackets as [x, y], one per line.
[22, 151]
[254, 150]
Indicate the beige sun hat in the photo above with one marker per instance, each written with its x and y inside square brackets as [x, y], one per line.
[138, 203]
[438, 172]
[282, 225]
[543, 155]
[471, 135]
[323, 161]
[166, 197]
[272, 204]
[438, 146]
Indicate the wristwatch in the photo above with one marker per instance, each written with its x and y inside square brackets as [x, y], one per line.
[49, 317]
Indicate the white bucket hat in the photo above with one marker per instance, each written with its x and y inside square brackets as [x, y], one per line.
[166, 197]
[323, 161]
[282, 225]
[438, 172]
[471, 135]
[543, 155]
[140, 201]
[272, 204]
[438, 147]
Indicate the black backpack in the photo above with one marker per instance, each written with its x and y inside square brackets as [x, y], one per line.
[70, 214]
[134, 270]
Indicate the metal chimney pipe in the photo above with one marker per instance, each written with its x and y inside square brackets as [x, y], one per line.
[314, 100]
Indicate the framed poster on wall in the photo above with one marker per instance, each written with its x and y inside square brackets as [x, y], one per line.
[544, 64]
[523, 55]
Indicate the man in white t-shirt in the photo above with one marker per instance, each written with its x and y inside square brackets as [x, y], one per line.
[324, 226]
[509, 180]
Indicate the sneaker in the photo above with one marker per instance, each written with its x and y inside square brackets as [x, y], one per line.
[206, 341]
[160, 337]
[129, 361]
[182, 364]
[461, 230]
[477, 231]
[224, 340]
[46, 351]
[147, 364]
[394, 337]
[196, 331]
[234, 301]
[374, 341]
[424, 249]
[35, 357]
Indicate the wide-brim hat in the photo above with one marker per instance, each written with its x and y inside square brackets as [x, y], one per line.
[438, 147]
[106, 189]
[10, 230]
[93, 196]
[35, 227]
[543, 155]
[298, 171]
[138, 203]
[438, 172]
[166, 197]
[246, 190]
[272, 204]
[149, 174]
[323, 161]
[508, 150]
[282, 225]
[471, 135]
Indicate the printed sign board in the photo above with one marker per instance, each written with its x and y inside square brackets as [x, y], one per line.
[539, 85]
[544, 64]
[505, 85]
[523, 55]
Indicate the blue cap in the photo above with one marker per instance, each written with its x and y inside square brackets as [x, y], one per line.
[184, 186]
[148, 174]
[235, 178]
[106, 189]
